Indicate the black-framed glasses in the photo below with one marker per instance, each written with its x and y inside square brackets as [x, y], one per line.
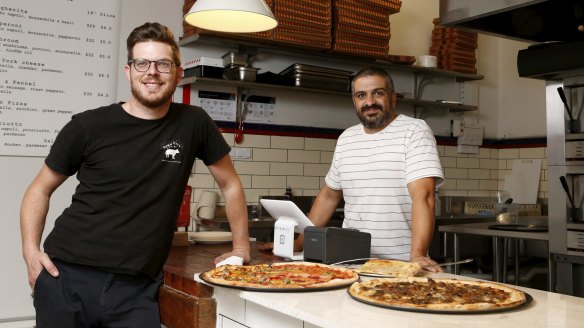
[143, 65]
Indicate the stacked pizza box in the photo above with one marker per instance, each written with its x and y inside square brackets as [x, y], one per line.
[189, 30]
[362, 26]
[455, 49]
[304, 22]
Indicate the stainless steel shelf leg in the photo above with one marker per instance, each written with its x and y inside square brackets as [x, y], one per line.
[456, 254]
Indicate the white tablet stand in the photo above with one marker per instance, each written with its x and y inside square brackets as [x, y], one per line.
[289, 219]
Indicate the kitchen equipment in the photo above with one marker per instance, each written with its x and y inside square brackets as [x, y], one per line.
[447, 263]
[210, 237]
[573, 124]
[507, 213]
[332, 244]
[289, 219]
[234, 59]
[241, 73]
[520, 227]
[310, 76]
[206, 205]
[575, 212]
[204, 71]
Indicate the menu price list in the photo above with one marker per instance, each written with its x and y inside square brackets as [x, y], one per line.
[57, 58]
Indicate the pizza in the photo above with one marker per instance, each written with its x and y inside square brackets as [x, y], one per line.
[436, 294]
[391, 268]
[299, 275]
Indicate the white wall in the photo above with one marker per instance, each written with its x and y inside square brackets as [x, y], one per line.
[502, 97]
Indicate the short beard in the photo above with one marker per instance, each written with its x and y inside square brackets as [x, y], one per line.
[152, 103]
[380, 121]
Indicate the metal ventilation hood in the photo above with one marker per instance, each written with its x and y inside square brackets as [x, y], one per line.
[533, 21]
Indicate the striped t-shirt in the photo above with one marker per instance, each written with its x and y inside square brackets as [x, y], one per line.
[373, 171]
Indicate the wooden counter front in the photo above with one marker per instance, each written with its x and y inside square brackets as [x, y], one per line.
[185, 303]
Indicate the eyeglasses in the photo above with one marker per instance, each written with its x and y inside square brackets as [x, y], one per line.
[143, 65]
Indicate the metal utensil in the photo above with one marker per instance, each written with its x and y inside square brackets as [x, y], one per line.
[565, 186]
[565, 101]
[447, 263]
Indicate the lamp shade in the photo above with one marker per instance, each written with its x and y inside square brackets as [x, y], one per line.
[234, 16]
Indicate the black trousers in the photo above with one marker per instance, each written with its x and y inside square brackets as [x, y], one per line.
[84, 297]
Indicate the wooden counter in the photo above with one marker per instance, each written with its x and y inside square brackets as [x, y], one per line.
[186, 303]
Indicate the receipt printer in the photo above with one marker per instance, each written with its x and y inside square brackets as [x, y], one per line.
[330, 244]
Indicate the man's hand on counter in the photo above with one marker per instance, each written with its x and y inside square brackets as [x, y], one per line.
[243, 253]
[426, 263]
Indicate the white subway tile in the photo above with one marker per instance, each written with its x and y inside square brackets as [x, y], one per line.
[264, 181]
[477, 193]
[449, 184]
[463, 184]
[316, 170]
[270, 155]
[450, 151]
[486, 163]
[472, 163]
[245, 181]
[532, 153]
[286, 169]
[455, 173]
[201, 181]
[448, 162]
[253, 168]
[200, 167]
[510, 153]
[303, 156]
[254, 140]
[252, 196]
[287, 142]
[303, 182]
[320, 144]
[480, 174]
[326, 157]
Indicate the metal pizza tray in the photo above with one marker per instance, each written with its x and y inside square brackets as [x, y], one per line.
[520, 227]
[303, 68]
[277, 290]
[528, 300]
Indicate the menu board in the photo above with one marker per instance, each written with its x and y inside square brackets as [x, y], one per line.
[57, 58]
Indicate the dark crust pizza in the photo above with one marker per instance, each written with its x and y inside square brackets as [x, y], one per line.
[437, 294]
[299, 275]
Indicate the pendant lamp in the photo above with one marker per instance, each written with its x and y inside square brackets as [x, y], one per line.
[233, 16]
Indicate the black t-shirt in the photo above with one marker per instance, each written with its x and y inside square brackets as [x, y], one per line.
[132, 174]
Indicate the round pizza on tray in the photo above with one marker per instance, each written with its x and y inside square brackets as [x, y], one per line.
[437, 294]
[281, 276]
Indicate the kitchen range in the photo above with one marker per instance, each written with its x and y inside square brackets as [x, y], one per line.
[557, 29]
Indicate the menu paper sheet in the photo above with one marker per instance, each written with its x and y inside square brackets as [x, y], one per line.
[57, 58]
[523, 183]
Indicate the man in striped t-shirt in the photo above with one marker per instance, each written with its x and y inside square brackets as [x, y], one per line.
[386, 169]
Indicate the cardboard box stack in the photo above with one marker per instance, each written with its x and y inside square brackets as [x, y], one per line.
[455, 49]
[304, 22]
[362, 26]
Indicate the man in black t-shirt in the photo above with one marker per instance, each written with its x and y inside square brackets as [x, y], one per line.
[101, 265]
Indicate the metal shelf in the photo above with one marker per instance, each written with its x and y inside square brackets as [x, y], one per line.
[454, 108]
[249, 46]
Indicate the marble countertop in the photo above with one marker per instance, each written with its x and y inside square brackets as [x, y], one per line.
[337, 309]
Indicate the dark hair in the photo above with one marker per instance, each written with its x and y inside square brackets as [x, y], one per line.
[153, 32]
[372, 71]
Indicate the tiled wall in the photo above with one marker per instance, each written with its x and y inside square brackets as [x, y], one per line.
[302, 163]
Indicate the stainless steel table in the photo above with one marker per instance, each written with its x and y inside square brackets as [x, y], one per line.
[482, 229]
